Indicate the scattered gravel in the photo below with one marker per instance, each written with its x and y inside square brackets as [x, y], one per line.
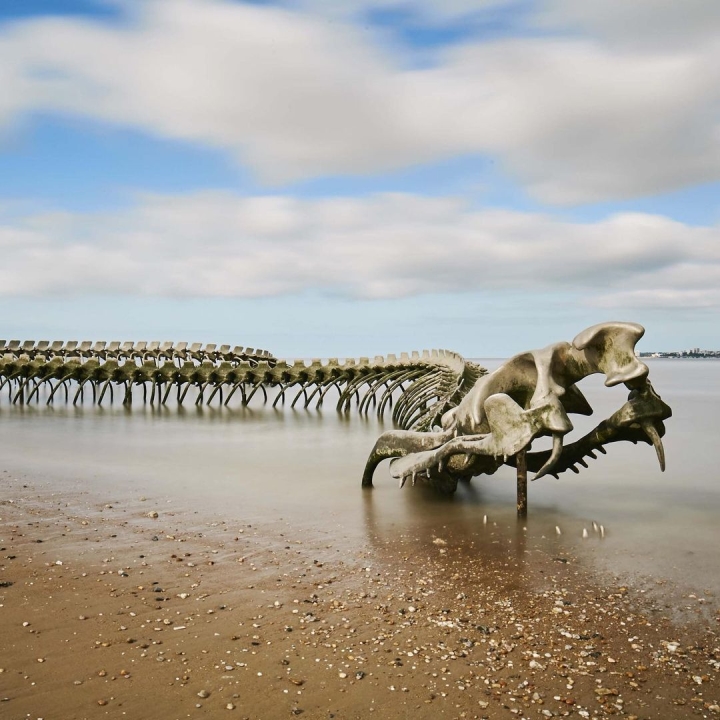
[275, 624]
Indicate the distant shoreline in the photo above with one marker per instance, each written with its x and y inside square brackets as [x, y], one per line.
[668, 356]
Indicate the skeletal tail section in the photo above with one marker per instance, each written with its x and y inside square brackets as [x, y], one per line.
[419, 387]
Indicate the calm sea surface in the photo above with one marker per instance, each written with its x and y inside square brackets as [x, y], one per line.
[304, 467]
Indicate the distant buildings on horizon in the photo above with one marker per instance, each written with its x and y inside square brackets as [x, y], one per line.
[691, 353]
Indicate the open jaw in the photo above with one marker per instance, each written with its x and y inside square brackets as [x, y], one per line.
[639, 420]
[511, 430]
[542, 384]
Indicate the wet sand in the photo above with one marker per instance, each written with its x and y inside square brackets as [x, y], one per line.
[116, 606]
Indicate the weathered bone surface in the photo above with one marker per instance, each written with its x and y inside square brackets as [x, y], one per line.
[419, 387]
[530, 396]
[453, 420]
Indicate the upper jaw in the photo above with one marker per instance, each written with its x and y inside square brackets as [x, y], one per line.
[644, 410]
[643, 404]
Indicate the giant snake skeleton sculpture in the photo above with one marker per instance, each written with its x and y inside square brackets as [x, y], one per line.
[454, 420]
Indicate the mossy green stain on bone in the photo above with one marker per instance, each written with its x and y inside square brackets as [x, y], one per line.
[455, 421]
[427, 383]
[530, 396]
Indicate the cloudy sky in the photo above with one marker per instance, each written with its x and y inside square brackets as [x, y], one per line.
[347, 177]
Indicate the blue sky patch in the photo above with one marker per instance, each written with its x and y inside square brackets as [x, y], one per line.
[86, 165]
[68, 163]
[18, 9]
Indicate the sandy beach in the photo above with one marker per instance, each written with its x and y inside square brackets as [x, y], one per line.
[119, 607]
[261, 255]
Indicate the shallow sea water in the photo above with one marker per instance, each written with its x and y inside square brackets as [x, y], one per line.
[304, 467]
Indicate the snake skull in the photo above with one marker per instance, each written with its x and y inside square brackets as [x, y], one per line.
[530, 396]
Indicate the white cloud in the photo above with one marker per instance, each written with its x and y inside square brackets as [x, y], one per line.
[294, 95]
[669, 299]
[576, 122]
[217, 244]
[640, 22]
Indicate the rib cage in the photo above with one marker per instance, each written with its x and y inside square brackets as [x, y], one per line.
[419, 387]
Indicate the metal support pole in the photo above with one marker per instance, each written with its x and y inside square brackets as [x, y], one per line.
[521, 458]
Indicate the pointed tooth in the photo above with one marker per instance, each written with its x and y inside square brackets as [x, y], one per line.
[602, 531]
[582, 462]
[554, 456]
[558, 531]
[402, 481]
[595, 526]
[574, 469]
[585, 533]
[652, 433]
[602, 449]
[484, 519]
[413, 478]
